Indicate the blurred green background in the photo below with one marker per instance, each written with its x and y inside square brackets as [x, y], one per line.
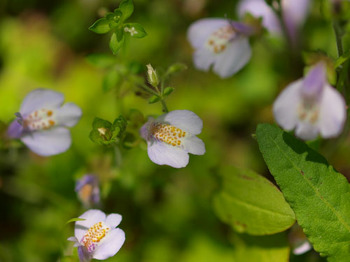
[167, 213]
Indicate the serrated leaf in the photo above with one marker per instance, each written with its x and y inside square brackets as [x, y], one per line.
[101, 26]
[252, 204]
[101, 60]
[75, 219]
[135, 30]
[111, 80]
[153, 99]
[168, 91]
[319, 196]
[127, 8]
[272, 248]
[114, 44]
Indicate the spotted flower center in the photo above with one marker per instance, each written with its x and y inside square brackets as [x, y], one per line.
[309, 111]
[168, 134]
[94, 236]
[40, 120]
[218, 41]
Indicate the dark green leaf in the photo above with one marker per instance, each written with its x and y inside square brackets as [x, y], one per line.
[153, 99]
[252, 204]
[101, 26]
[114, 44]
[134, 30]
[127, 8]
[101, 60]
[119, 127]
[319, 196]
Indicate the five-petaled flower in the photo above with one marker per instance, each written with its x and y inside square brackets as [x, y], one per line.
[88, 190]
[42, 122]
[97, 236]
[222, 43]
[311, 106]
[171, 137]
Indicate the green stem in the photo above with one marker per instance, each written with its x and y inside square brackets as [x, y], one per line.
[338, 38]
[150, 90]
[164, 107]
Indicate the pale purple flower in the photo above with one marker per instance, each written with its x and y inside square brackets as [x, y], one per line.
[42, 122]
[259, 8]
[220, 43]
[294, 13]
[97, 236]
[311, 106]
[172, 136]
[88, 190]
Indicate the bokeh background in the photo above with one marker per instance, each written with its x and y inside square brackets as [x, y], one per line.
[167, 213]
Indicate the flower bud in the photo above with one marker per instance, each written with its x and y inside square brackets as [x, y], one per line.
[152, 76]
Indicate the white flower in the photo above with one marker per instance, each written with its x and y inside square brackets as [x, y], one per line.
[311, 106]
[171, 137]
[220, 42]
[97, 236]
[259, 8]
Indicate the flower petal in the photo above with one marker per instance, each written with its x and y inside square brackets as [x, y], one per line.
[68, 115]
[199, 31]
[306, 130]
[113, 220]
[110, 244]
[194, 145]
[332, 113]
[236, 55]
[15, 129]
[75, 240]
[84, 255]
[285, 107]
[315, 80]
[41, 98]
[183, 119]
[164, 154]
[203, 58]
[259, 8]
[48, 142]
[91, 217]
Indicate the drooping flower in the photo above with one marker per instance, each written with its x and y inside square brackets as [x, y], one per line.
[88, 190]
[311, 106]
[172, 136]
[259, 8]
[222, 43]
[97, 236]
[42, 123]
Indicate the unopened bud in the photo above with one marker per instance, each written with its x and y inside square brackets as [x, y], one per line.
[152, 76]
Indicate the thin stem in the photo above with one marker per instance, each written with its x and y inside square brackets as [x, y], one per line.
[338, 38]
[150, 90]
[164, 107]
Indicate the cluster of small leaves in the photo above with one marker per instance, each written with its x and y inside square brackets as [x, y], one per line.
[115, 22]
[104, 132]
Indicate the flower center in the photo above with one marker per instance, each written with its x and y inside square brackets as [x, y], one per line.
[94, 235]
[167, 133]
[39, 120]
[218, 41]
[309, 112]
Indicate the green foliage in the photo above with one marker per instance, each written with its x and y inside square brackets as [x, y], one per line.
[75, 219]
[104, 132]
[319, 196]
[101, 26]
[252, 204]
[115, 44]
[135, 30]
[126, 7]
[175, 68]
[168, 91]
[154, 99]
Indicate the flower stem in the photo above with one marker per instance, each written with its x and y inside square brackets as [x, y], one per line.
[338, 38]
[164, 107]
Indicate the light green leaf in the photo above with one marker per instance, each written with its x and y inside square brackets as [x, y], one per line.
[342, 59]
[101, 26]
[153, 99]
[175, 68]
[134, 30]
[114, 44]
[252, 204]
[101, 60]
[168, 91]
[319, 196]
[111, 80]
[75, 219]
[127, 8]
[272, 248]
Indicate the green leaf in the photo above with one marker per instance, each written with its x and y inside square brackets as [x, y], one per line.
[319, 196]
[175, 68]
[252, 204]
[342, 59]
[111, 80]
[127, 8]
[101, 132]
[153, 99]
[101, 60]
[135, 30]
[168, 91]
[119, 127]
[101, 26]
[114, 44]
[75, 219]
[272, 248]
